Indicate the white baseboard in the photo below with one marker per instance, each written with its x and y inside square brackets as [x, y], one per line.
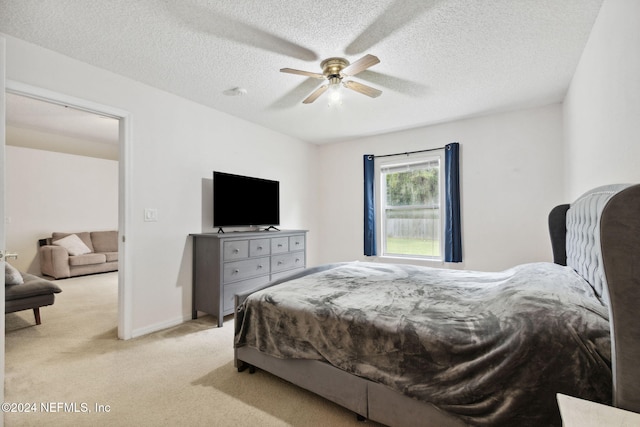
[159, 326]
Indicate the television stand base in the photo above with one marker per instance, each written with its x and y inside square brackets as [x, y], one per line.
[271, 227]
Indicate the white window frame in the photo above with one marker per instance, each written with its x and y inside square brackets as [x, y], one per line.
[380, 217]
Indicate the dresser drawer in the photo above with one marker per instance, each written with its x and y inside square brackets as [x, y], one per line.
[296, 243]
[232, 289]
[279, 245]
[287, 261]
[239, 270]
[259, 247]
[235, 249]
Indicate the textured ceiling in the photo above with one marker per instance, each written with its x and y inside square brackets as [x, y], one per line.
[440, 60]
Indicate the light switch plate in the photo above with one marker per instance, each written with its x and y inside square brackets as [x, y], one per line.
[150, 215]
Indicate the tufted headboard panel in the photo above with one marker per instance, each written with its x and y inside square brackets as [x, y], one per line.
[583, 246]
[603, 246]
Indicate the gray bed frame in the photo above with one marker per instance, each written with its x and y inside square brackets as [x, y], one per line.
[598, 235]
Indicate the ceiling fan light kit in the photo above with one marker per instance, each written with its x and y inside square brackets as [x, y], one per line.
[334, 70]
[334, 94]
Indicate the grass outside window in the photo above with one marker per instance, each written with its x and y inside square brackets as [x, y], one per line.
[407, 246]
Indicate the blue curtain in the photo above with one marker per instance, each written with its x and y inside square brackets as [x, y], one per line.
[452, 227]
[370, 246]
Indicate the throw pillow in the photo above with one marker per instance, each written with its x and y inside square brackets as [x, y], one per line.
[11, 275]
[73, 244]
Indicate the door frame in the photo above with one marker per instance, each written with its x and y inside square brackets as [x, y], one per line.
[2, 199]
[125, 291]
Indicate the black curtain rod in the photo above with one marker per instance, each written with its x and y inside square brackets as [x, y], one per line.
[406, 153]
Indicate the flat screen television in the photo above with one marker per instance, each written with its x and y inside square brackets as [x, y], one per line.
[241, 201]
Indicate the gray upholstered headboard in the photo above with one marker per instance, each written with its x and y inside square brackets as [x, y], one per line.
[603, 245]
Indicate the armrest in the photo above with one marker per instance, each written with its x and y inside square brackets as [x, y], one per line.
[558, 233]
[54, 261]
[620, 240]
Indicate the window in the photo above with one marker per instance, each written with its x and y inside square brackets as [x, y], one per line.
[410, 208]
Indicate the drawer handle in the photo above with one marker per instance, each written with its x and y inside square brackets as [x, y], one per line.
[235, 251]
[259, 266]
[297, 260]
[259, 248]
[236, 271]
[279, 245]
[279, 262]
[297, 243]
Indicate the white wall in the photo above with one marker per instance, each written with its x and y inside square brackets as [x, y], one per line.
[511, 176]
[602, 107]
[175, 145]
[47, 191]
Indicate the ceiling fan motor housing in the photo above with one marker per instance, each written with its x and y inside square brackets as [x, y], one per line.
[331, 67]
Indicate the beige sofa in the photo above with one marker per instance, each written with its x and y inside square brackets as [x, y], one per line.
[74, 254]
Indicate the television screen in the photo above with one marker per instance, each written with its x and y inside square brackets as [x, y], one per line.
[245, 201]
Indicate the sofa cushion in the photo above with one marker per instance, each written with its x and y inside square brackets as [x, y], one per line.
[87, 259]
[84, 236]
[73, 245]
[111, 256]
[104, 241]
[32, 286]
[11, 275]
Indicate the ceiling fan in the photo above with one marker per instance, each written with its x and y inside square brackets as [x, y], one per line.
[334, 70]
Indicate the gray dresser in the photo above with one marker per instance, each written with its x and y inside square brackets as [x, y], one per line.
[229, 263]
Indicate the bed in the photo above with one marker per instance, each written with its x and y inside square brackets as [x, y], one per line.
[409, 345]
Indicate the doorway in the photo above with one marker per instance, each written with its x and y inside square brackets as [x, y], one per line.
[122, 142]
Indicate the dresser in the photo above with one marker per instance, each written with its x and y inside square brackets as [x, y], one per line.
[229, 263]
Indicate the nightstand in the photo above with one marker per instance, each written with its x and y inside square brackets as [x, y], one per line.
[583, 413]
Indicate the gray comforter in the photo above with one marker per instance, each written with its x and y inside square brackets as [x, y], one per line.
[490, 348]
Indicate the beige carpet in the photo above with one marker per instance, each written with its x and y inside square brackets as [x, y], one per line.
[179, 376]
